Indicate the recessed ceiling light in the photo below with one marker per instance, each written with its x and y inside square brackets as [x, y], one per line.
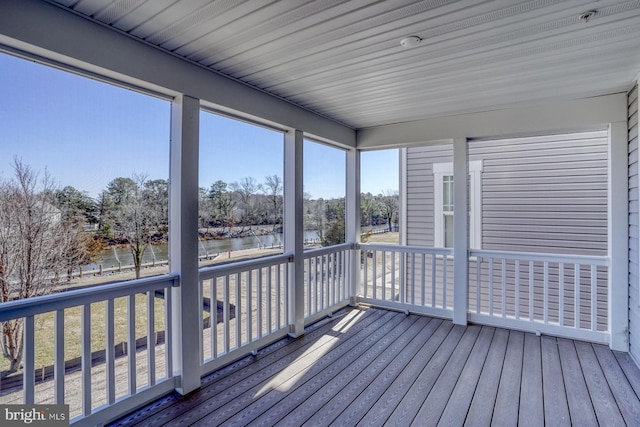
[587, 15]
[411, 41]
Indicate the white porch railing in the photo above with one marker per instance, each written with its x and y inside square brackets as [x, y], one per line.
[122, 383]
[562, 295]
[248, 308]
[326, 284]
[409, 278]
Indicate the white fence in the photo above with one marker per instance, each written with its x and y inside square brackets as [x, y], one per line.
[409, 278]
[562, 295]
[326, 284]
[248, 308]
[122, 382]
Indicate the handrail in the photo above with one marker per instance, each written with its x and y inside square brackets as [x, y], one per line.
[61, 300]
[327, 250]
[542, 257]
[400, 248]
[242, 266]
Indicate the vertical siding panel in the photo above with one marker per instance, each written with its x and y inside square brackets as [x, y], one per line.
[634, 302]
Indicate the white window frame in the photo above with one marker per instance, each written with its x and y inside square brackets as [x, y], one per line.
[440, 170]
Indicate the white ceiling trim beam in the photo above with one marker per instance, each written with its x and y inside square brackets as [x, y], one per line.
[42, 29]
[584, 114]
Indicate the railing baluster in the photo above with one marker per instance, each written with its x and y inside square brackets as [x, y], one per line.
[365, 275]
[504, 287]
[110, 356]
[561, 293]
[531, 291]
[478, 290]
[576, 293]
[374, 275]
[445, 267]
[213, 316]
[259, 303]
[384, 275]
[249, 306]
[434, 285]
[491, 286]
[86, 359]
[59, 358]
[517, 290]
[423, 280]
[29, 375]
[168, 332]
[393, 275]
[308, 287]
[226, 315]
[269, 300]
[412, 288]
[151, 342]
[546, 293]
[238, 312]
[278, 284]
[594, 298]
[131, 343]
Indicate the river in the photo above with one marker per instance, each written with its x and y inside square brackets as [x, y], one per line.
[111, 257]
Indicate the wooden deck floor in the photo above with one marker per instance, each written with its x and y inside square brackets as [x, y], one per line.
[375, 367]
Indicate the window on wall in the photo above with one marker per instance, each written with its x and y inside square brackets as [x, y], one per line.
[443, 204]
[241, 190]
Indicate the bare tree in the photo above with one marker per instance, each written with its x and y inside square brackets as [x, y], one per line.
[134, 216]
[273, 189]
[246, 189]
[33, 248]
[389, 203]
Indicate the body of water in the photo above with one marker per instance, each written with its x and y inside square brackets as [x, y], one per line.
[111, 256]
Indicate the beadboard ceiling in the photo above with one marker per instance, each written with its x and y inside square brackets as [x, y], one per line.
[343, 59]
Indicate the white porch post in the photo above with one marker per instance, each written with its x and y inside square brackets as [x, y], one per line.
[183, 240]
[618, 237]
[460, 233]
[294, 227]
[352, 217]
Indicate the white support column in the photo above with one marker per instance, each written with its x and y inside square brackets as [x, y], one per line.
[618, 237]
[460, 232]
[183, 241]
[294, 227]
[352, 217]
[402, 180]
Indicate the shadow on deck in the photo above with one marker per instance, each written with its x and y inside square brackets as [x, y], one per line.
[375, 367]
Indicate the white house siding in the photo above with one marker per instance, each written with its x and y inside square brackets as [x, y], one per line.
[634, 229]
[539, 194]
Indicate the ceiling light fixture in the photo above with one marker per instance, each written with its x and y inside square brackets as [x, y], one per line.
[587, 15]
[411, 41]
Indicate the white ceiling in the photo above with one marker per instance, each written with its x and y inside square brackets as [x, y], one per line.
[343, 59]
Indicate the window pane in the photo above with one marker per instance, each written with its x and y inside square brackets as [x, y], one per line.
[96, 158]
[241, 190]
[447, 199]
[379, 198]
[324, 195]
[448, 231]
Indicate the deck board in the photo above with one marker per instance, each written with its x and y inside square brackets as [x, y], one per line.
[556, 408]
[372, 367]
